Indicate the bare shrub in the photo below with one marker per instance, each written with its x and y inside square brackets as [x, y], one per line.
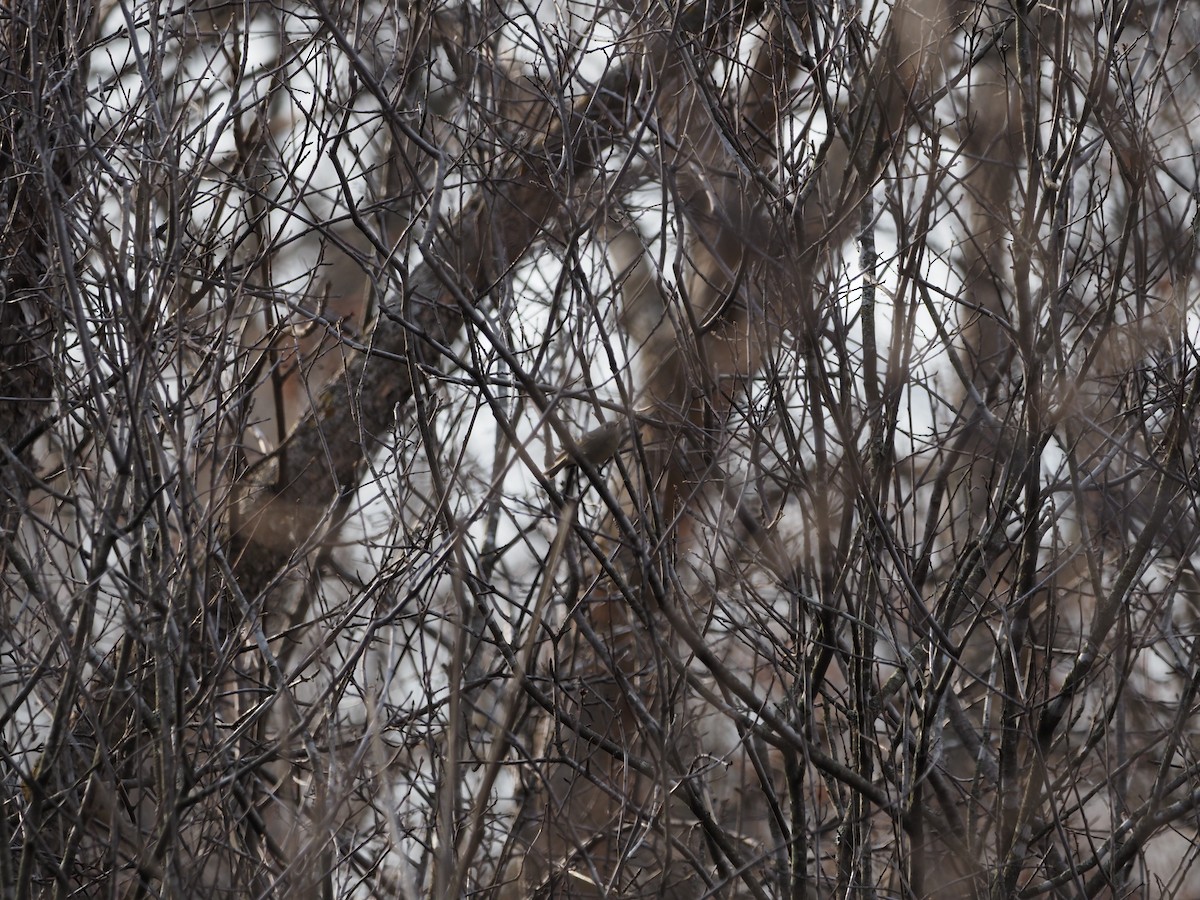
[889, 589]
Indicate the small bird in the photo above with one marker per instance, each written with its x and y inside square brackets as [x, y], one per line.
[598, 446]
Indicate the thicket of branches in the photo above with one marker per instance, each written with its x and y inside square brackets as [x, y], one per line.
[891, 591]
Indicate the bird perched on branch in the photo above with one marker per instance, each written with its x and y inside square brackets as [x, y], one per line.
[598, 446]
